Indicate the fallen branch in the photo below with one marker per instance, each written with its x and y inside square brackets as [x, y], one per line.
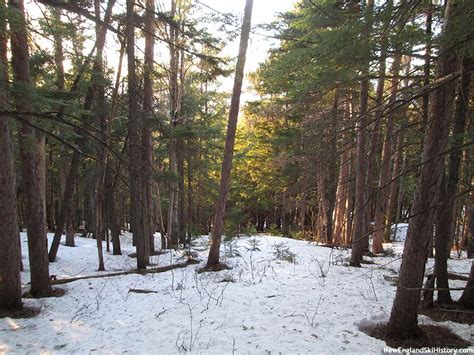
[452, 276]
[139, 290]
[156, 270]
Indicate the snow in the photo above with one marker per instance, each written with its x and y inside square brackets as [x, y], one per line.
[316, 304]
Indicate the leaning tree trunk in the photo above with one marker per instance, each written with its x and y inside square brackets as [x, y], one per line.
[404, 315]
[444, 225]
[30, 164]
[218, 226]
[67, 198]
[10, 251]
[135, 130]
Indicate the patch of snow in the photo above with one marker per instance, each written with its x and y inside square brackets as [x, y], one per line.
[315, 304]
[399, 232]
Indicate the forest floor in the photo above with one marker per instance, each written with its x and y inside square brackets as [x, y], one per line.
[281, 296]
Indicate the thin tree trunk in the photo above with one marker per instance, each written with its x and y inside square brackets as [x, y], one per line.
[360, 236]
[392, 200]
[49, 193]
[383, 186]
[341, 199]
[375, 142]
[111, 212]
[173, 212]
[360, 228]
[331, 184]
[30, 163]
[218, 226]
[101, 118]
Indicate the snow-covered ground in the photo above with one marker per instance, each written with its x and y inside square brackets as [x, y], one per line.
[313, 304]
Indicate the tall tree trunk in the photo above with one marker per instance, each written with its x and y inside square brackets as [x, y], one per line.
[375, 142]
[218, 226]
[101, 118]
[49, 192]
[341, 199]
[10, 252]
[148, 115]
[360, 236]
[444, 224]
[392, 199]
[173, 212]
[360, 227]
[67, 198]
[331, 185]
[351, 187]
[135, 132]
[384, 178]
[110, 178]
[403, 318]
[31, 167]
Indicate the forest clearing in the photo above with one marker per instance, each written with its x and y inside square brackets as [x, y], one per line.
[251, 176]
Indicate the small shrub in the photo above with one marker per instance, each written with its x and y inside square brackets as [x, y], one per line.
[253, 244]
[230, 248]
[281, 251]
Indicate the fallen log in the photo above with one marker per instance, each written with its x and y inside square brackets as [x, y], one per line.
[139, 290]
[156, 270]
[453, 276]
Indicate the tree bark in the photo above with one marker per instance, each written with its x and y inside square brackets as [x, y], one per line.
[218, 226]
[30, 146]
[135, 131]
[148, 115]
[10, 252]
